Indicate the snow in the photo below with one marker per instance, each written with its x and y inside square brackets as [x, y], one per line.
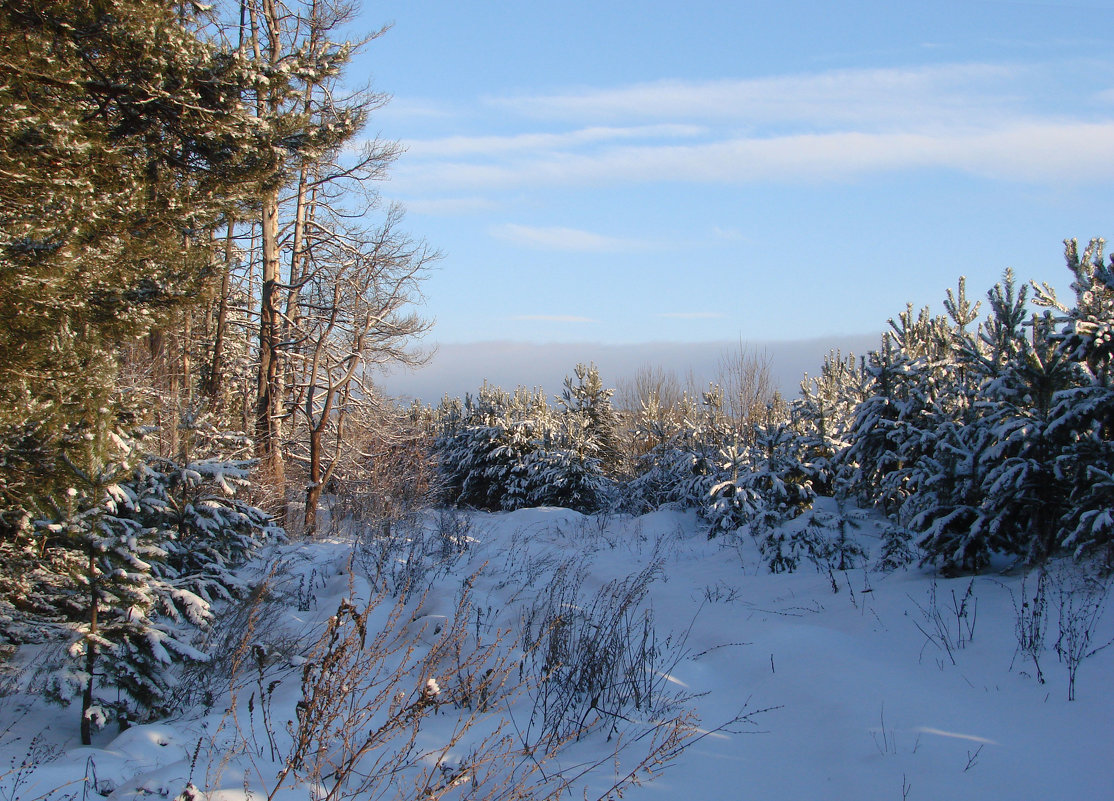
[848, 696]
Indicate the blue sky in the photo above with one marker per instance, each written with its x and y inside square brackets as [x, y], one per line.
[631, 172]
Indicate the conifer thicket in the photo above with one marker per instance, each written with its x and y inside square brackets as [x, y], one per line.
[982, 431]
[195, 278]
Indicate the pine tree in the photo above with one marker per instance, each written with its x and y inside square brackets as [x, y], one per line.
[204, 526]
[824, 414]
[482, 454]
[898, 422]
[133, 560]
[873, 459]
[1024, 495]
[591, 422]
[1082, 416]
[947, 472]
[761, 485]
[123, 140]
[99, 578]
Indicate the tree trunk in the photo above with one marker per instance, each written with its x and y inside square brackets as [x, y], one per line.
[268, 424]
[315, 485]
[214, 383]
[268, 421]
[90, 653]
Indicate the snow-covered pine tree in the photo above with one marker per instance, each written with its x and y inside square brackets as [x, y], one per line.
[206, 528]
[872, 459]
[98, 571]
[734, 503]
[591, 422]
[485, 455]
[530, 430]
[896, 424]
[664, 472]
[465, 449]
[707, 432]
[1082, 416]
[1023, 494]
[761, 485]
[823, 415]
[946, 475]
[944, 506]
[568, 476]
[123, 141]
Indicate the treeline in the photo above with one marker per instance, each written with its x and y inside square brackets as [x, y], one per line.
[196, 277]
[975, 433]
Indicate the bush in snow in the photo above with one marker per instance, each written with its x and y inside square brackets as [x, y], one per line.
[898, 549]
[138, 547]
[596, 660]
[500, 451]
[368, 693]
[760, 486]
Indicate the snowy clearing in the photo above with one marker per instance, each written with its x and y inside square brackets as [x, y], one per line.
[852, 685]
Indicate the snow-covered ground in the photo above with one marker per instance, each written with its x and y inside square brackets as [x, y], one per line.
[851, 687]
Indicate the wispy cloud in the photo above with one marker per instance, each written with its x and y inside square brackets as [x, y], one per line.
[570, 239]
[1001, 121]
[1032, 151]
[416, 108]
[950, 92]
[456, 146]
[449, 206]
[729, 234]
[552, 318]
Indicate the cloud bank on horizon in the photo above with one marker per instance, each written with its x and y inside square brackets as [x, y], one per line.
[459, 368]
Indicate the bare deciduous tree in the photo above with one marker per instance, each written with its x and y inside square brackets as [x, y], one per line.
[748, 387]
[353, 313]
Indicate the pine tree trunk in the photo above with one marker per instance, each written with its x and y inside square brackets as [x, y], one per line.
[214, 383]
[268, 423]
[90, 653]
[267, 414]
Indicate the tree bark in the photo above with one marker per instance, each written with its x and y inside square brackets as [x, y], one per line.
[268, 421]
[214, 384]
[90, 653]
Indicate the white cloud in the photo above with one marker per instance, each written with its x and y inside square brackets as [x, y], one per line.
[1068, 152]
[840, 125]
[457, 146]
[950, 92]
[571, 239]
